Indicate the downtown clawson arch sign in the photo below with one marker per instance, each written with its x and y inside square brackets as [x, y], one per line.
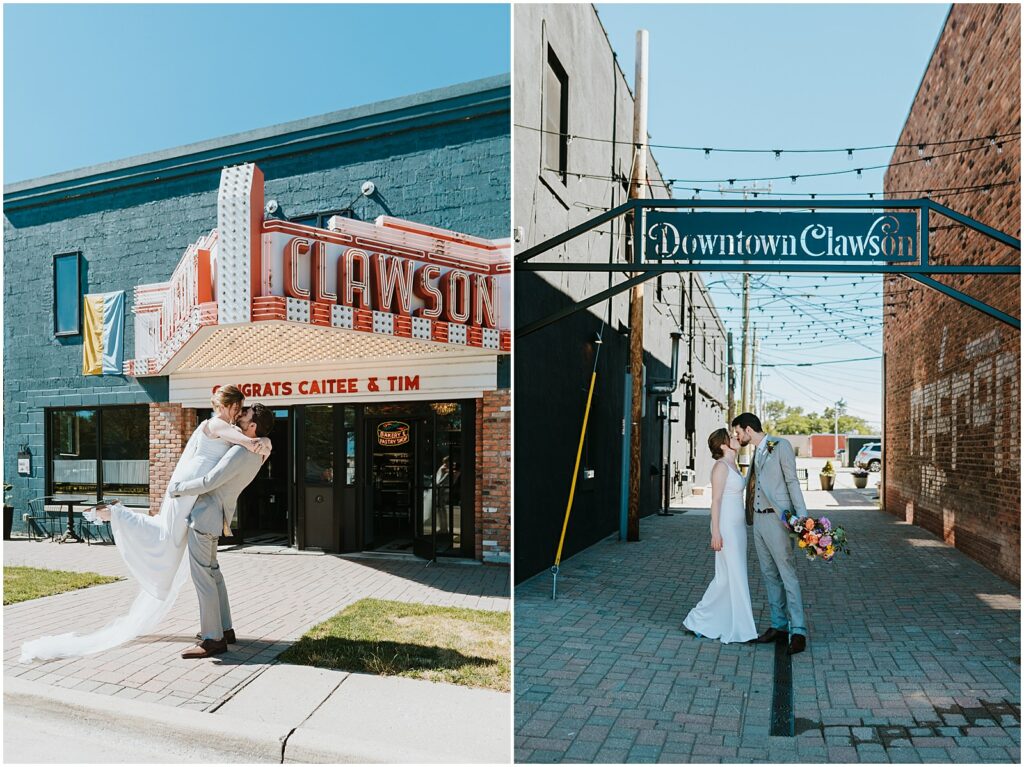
[782, 236]
[793, 236]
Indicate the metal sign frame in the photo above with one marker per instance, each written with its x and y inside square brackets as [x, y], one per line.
[640, 270]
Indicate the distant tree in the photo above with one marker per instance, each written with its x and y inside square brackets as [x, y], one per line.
[780, 418]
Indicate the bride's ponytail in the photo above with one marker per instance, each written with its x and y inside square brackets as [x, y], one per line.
[226, 396]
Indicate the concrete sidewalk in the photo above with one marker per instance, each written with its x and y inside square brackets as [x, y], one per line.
[287, 714]
[913, 654]
[274, 600]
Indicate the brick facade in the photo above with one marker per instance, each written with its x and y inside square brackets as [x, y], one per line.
[428, 166]
[493, 472]
[952, 373]
[170, 426]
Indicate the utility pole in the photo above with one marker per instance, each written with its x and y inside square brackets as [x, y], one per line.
[744, 369]
[746, 382]
[730, 372]
[840, 405]
[637, 189]
[755, 402]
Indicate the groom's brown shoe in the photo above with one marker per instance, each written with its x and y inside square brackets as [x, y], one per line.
[206, 649]
[229, 636]
[797, 643]
[772, 635]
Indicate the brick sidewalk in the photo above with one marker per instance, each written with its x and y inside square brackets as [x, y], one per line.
[274, 600]
[914, 655]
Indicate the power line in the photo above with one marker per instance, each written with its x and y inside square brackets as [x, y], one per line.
[812, 364]
[950, 191]
[994, 139]
[927, 159]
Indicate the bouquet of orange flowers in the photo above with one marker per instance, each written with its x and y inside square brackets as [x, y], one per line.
[818, 537]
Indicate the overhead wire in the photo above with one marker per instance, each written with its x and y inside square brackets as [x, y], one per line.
[741, 150]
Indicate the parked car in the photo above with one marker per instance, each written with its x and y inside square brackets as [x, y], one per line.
[869, 457]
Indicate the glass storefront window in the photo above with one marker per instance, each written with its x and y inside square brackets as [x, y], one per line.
[126, 453]
[78, 464]
[73, 452]
[350, 445]
[319, 444]
[448, 479]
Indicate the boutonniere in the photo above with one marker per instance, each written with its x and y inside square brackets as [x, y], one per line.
[770, 446]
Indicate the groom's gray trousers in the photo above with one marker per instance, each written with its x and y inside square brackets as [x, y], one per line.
[778, 566]
[214, 611]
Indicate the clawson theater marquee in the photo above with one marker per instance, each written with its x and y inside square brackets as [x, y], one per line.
[359, 311]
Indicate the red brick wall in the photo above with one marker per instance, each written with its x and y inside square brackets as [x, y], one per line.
[952, 386]
[493, 477]
[170, 426]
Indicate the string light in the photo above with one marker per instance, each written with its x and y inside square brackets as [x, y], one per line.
[991, 138]
[778, 154]
[707, 153]
[920, 150]
[849, 155]
[793, 179]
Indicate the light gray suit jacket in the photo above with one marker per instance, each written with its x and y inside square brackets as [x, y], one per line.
[219, 489]
[776, 477]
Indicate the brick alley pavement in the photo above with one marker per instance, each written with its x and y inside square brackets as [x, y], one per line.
[274, 600]
[913, 656]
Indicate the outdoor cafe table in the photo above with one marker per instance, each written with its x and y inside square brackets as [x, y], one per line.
[70, 534]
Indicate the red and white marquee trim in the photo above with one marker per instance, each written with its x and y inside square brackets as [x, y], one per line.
[390, 278]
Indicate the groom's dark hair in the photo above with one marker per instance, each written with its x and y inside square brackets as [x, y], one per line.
[743, 420]
[263, 417]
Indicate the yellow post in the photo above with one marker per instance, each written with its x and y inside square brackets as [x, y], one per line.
[575, 475]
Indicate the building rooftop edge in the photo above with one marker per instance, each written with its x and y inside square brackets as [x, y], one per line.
[216, 146]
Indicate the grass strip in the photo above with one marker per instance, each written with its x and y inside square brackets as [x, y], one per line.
[24, 583]
[440, 644]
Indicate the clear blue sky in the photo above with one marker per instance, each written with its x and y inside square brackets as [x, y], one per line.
[85, 84]
[778, 76]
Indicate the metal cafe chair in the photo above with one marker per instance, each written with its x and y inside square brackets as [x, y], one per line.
[91, 531]
[45, 518]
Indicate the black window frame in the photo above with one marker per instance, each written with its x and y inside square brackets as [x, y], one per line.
[57, 332]
[560, 166]
[130, 502]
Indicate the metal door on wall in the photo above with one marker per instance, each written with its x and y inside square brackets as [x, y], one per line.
[315, 461]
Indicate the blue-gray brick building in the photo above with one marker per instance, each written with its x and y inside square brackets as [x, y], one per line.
[440, 159]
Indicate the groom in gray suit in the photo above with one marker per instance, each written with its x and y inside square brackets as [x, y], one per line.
[773, 494]
[218, 493]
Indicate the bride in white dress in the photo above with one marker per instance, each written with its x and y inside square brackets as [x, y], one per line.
[724, 612]
[153, 548]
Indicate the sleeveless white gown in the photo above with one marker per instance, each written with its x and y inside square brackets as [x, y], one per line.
[153, 548]
[724, 612]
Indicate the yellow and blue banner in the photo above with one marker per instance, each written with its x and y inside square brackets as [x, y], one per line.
[103, 334]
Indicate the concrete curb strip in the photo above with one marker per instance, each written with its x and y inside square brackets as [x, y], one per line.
[230, 738]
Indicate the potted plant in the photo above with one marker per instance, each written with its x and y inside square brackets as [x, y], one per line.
[8, 511]
[827, 476]
[860, 478]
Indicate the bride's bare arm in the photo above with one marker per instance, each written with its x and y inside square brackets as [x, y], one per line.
[215, 427]
[719, 473]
